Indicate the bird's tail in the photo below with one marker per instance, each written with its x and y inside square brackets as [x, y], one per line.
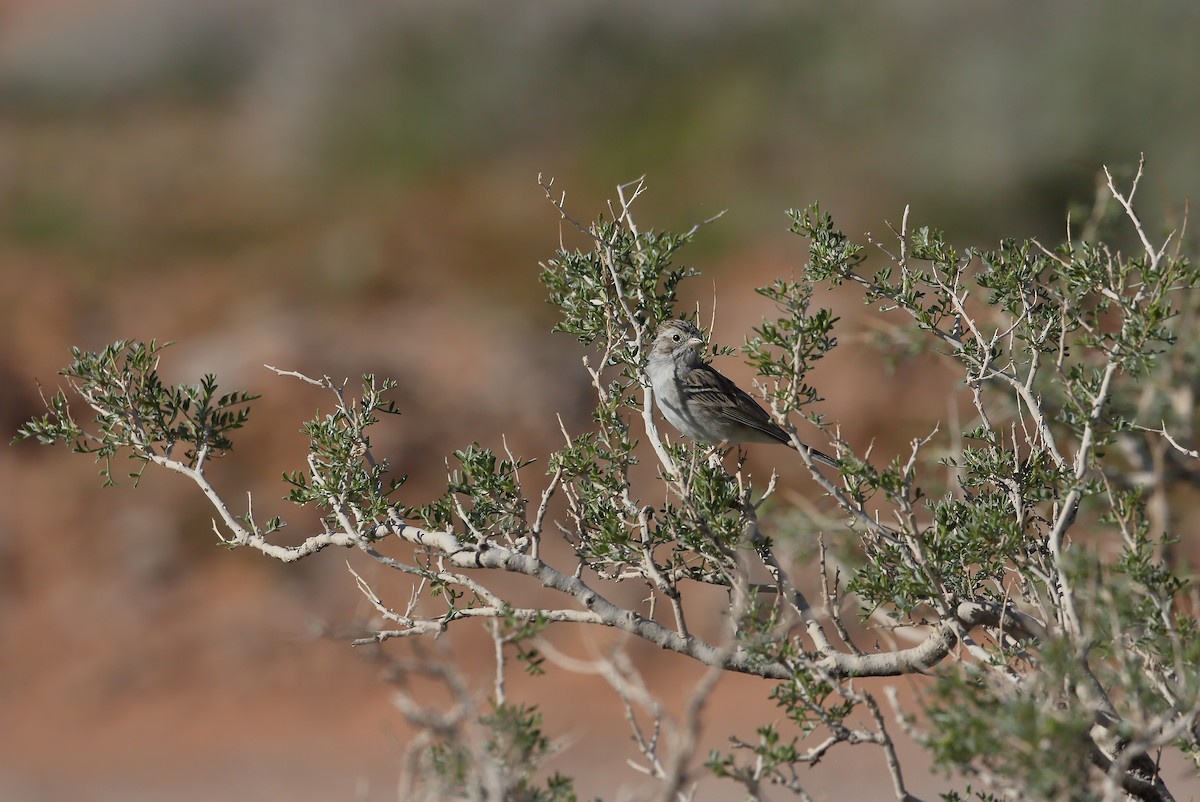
[822, 457]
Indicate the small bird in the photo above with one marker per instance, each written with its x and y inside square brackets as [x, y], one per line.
[699, 401]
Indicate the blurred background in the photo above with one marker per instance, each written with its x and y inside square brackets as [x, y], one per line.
[343, 186]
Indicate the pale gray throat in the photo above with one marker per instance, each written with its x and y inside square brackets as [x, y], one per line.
[664, 375]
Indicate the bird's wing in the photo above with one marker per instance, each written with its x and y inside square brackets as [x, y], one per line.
[707, 386]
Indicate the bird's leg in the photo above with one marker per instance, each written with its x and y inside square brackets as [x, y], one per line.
[714, 454]
[741, 460]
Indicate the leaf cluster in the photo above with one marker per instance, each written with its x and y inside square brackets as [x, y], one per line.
[516, 744]
[136, 412]
[627, 269]
[343, 477]
[484, 497]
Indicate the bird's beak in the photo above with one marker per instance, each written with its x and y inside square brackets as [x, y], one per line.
[695, 343]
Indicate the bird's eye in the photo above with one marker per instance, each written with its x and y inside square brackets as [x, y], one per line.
[675, 337]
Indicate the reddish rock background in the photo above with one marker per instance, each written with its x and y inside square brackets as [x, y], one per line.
[350, 187]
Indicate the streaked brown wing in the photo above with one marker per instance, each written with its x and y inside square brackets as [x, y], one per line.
[707, 386]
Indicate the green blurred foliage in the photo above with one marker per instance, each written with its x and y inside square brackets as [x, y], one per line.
[991, 118]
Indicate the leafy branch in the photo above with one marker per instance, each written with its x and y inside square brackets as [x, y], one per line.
[1024, 558]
